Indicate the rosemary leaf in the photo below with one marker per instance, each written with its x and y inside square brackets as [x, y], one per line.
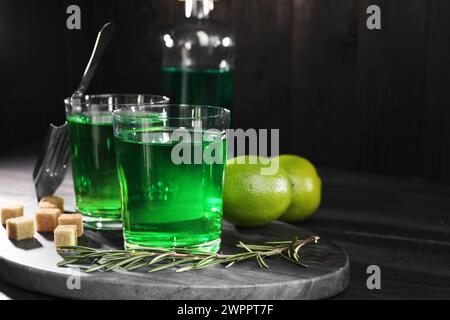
[294, 262]
[278, 242]
[210, 264]
[123, 263]
[230, 264]
[186, 268]
[204, 261]
[258, 259]
[97, 267]
[66, 262]
[135, 265]
[263, 263]
[242, 245]
[169, 265]
[159, 258]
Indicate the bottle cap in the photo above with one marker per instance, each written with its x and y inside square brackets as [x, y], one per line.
[202, 7]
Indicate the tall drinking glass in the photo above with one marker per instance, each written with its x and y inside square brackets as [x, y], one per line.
[171, 161]
[94, 170]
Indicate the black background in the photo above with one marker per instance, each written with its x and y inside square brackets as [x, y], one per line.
[342, 95]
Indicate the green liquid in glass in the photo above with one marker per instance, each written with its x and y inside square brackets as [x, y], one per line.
[94, 169]
[169, 205]
[210, 87]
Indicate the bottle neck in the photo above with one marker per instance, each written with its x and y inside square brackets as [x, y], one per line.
[198, 9]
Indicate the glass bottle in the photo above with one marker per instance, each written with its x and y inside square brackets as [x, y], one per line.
[198, 58]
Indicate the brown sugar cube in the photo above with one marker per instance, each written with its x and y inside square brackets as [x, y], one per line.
[66, 236]
[47, 219]
[52, 202]
[20, 228]
[10, 209]
[75, 219]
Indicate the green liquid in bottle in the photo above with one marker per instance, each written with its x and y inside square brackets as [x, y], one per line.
[210, 87]
[94, 169]
[165, 204]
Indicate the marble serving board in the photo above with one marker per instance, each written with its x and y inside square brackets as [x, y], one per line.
[31, 264]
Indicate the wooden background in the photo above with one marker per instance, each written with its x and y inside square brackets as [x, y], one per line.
[342, 95]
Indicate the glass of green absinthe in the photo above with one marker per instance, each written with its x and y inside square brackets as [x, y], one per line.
[171, 161]
[94, 170]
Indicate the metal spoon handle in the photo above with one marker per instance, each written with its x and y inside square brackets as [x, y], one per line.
[103, 39]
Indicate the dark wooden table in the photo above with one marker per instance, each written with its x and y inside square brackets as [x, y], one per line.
[401, 225]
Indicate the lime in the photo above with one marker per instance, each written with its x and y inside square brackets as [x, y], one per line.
[250, 198]
[306, 187]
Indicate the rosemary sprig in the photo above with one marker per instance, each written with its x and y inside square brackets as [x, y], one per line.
[184, 259]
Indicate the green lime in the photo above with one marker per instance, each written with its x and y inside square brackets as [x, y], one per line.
[253, 199]
[306, 187]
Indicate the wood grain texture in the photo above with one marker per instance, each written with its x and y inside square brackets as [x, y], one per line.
[343, 96]
[435, 140]
[401, 225]
[321, 119]
[263, 58]
[392, 81]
